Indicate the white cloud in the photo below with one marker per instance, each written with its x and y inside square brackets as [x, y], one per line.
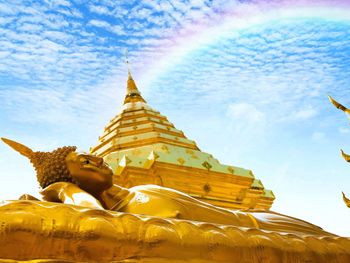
[102, 10]
[245, 124]
[59, 2]
[258, 64]
[344, 130]
[304, 114]
[245, 112]
[318, 136]
[30, 27]
[99, 23]
[7, 9]
[117, 29]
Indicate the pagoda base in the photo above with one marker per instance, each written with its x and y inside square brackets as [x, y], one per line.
[34, 231]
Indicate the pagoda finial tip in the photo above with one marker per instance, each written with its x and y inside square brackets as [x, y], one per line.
[127, 62]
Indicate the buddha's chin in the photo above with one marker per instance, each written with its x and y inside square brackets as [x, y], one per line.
[97, 187]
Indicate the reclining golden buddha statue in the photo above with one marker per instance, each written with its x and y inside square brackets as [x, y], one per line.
[83, 182]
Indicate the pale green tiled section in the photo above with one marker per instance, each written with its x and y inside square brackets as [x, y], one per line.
[130, 113]
[133, 106]
[113, 121]
[269, 194]
[175, 138]
[135, 113]
[257, 184]
[155, 113]
[149, 135]
[136, 161]
[140, 127]
[137, 120]
[140, 119]
[241, 171]
[144, 136]
[171, 154]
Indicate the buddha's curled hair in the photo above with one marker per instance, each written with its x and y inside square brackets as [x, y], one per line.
[50, 167]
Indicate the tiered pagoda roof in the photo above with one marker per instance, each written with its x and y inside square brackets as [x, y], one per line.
[143, 147]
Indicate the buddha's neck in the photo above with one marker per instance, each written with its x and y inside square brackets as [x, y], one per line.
[113, 196]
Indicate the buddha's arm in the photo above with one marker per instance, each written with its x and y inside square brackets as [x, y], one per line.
[28, 197]
[113, 196]
[69, 193]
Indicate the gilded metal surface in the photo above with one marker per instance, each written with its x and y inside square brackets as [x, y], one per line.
[344, 155]
[164, 202]
[346, 200]
[93, 187]
[143, 147]
[32, 230]
[338, 105]
[133, 94]
[103, 222]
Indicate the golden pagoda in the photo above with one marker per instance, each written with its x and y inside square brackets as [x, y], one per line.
[143, 147]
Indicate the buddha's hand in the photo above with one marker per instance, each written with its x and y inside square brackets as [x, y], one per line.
[69, 193]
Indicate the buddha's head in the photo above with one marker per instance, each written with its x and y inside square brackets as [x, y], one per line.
[64, 164]
[90, 172]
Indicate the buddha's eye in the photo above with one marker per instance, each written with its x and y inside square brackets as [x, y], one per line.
[85, 162]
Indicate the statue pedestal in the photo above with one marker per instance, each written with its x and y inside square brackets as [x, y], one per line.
[40, 231]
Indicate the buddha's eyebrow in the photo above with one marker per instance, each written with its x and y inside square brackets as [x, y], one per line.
[85, 155]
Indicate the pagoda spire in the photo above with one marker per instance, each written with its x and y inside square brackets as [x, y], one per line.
[144, 147]
[132, 93]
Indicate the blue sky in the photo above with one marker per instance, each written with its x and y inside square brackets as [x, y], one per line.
[248, 80]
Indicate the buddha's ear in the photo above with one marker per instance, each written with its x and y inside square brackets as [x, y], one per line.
[22, 149]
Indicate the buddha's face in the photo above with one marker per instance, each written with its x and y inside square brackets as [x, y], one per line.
[91, 172]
